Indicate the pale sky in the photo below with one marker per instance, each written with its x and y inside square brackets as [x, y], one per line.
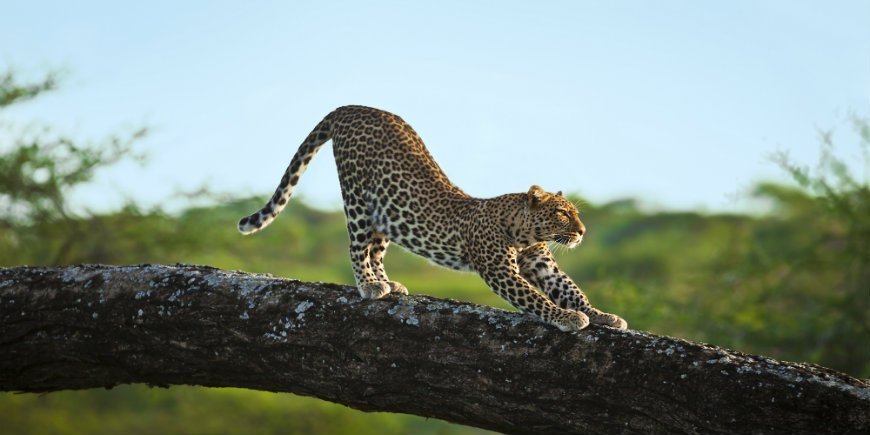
[678, 103]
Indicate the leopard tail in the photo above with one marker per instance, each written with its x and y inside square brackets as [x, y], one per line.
[263, 217]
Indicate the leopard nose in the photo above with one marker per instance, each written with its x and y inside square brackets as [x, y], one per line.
[581, 229]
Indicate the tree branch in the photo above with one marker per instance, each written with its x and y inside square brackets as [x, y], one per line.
[100, 326]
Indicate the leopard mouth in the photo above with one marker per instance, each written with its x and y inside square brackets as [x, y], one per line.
[569, 240]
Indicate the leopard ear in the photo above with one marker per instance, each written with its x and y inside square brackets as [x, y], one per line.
[559, 193]
[536, 195]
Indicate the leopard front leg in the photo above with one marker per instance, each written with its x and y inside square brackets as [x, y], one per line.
[502, 275]
[539, 267]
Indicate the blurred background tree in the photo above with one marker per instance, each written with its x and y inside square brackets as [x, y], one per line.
[792, 283]
[834, 207]
[38, 169]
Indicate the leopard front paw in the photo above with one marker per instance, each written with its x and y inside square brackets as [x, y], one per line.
[611, 320]
[568, 321]
[619, 322]
[373, 290]
[397, 288]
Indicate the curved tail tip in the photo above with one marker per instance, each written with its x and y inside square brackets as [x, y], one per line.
[249, 224]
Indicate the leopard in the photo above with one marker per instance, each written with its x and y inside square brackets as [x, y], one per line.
[393, 191]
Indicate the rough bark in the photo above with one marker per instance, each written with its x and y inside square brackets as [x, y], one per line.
[100, 326]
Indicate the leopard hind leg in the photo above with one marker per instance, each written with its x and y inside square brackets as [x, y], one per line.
[377, 251]
[367, 249]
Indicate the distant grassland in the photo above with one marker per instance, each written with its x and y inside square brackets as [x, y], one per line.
[138, 409]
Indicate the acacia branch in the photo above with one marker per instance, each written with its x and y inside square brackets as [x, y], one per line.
[100, 326]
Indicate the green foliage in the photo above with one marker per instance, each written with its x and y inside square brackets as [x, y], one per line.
[832, 207]
[11, 91]
[792, 284]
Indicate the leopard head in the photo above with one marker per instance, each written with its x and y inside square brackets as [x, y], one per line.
[551, 217]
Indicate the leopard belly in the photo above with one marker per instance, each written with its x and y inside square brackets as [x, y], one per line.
[411, 230]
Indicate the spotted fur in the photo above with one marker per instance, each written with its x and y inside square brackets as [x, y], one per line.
[394, 191]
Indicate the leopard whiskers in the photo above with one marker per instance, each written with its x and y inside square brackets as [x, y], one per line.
[561, 242]
[552, 246]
